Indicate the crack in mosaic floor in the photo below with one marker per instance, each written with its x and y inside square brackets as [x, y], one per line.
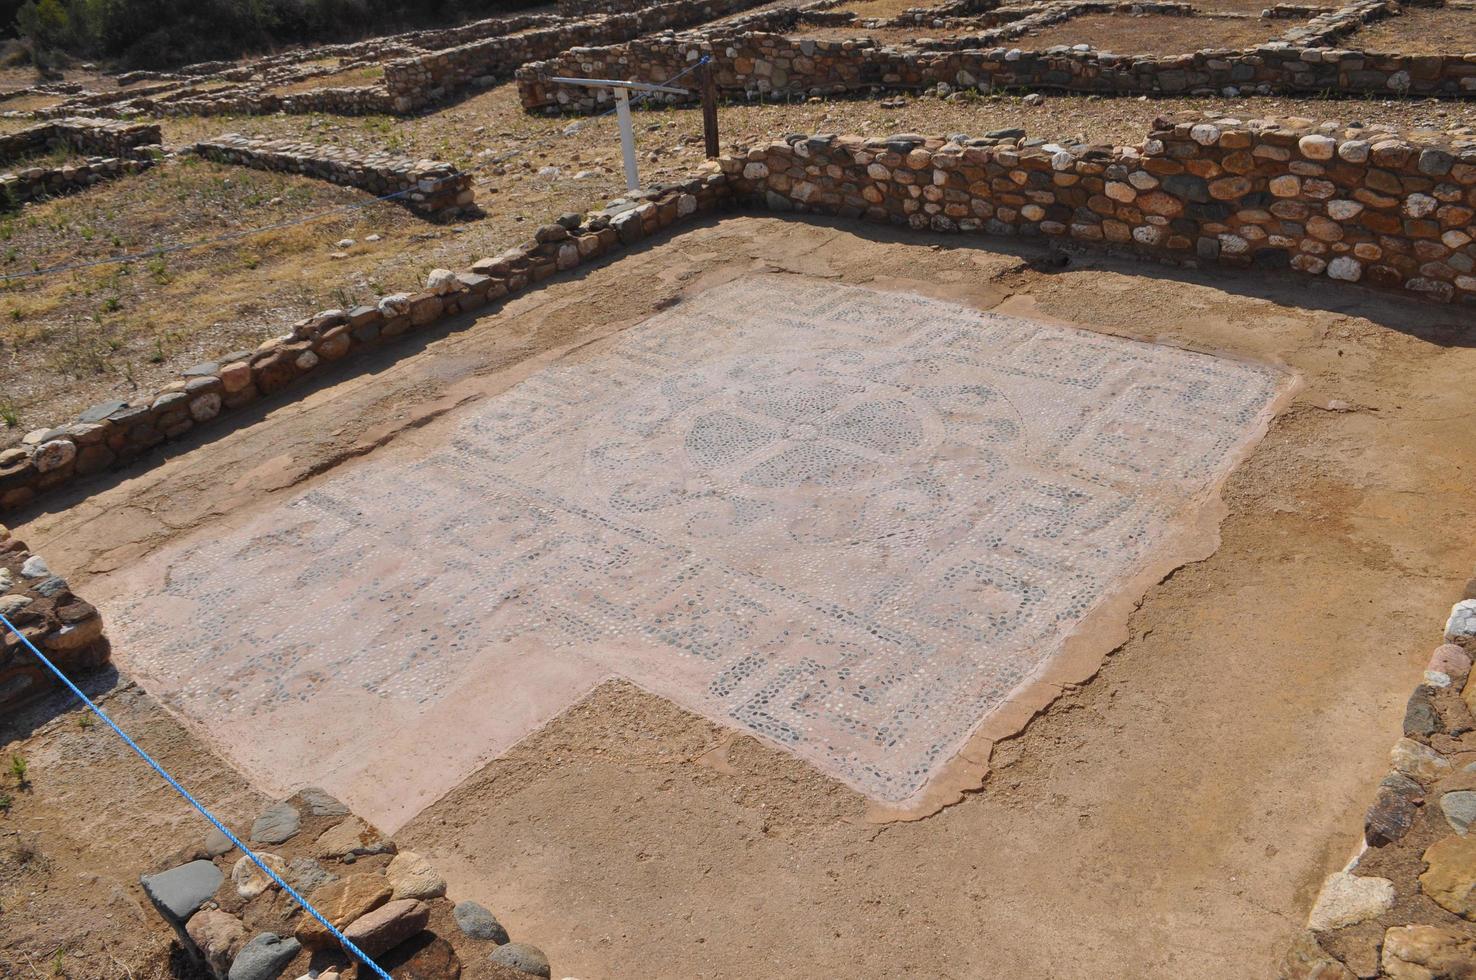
[848, 521]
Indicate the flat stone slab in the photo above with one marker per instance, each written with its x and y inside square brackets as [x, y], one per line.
[179, 892]
[850, 522]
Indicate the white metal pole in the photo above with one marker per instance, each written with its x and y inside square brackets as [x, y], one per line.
[627, 138]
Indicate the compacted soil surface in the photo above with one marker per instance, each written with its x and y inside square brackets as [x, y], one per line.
[1448, 30]
[1171, 817]
[1153, 33]
[89, 818]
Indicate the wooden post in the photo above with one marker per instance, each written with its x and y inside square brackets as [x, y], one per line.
[709, 108]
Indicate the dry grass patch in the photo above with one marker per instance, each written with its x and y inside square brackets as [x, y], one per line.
[1449, 30]
[1153, 33]
[881, 9]
[349, 78]
[86, 334]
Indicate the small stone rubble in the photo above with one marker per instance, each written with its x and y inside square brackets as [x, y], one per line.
[429, 187]
[237, 924]
[1404, 908]
[41, 605]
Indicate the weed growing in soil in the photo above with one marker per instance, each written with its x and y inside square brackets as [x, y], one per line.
[20, 769]
[6, 802]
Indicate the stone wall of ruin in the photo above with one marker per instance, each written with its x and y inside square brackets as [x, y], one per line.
[1351, 206]
[40, 183]
[1403, 906]
[1354, 206]
[423, 80]
[757, 64]
[118, 433]
[124, 146]
[41, 605]
[427, 186]
[101, 137]
[233, 921]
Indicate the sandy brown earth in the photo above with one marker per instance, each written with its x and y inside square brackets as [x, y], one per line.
[1170, 818]
[92, 819]
[1417, 31]
[1153, 33]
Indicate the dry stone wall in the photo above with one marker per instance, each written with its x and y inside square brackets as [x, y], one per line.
[771, 65]
[416, 82]
[1405, 906]
[41, 605]
[235, 923]
[129, 141]
[94, 136]
[1349, 205]
[39, 183]
[428, 186]
[118, 433]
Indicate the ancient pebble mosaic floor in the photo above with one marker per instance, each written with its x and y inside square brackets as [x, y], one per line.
[848, 521]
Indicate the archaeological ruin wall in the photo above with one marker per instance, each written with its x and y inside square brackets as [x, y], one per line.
[416, 82]
[40, 604]
[769, 63]
[97, 137]
[1351, 206]
[234, 922]
[117, 149]
[1402, 906]
[427, 187]
[118, 433]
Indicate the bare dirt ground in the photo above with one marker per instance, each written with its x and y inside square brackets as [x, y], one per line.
[92, 819]
[1252, 7]
[1170, 818]
[1417, 31]
[1153, 33]
[879, 9]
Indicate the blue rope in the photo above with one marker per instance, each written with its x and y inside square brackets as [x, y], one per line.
[356, 951]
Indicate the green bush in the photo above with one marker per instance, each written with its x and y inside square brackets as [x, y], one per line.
[169, 33]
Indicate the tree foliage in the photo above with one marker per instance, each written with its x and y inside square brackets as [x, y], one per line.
[165, 33]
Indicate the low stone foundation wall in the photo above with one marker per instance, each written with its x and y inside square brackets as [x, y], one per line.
[41, 605]
[588, 8]
[771, 65]
[413, 83]
[100, 137]
[1404, 907]
[115, 434]
[1350, 205]
[235, 922]
[39, 183]
[360, 100]
[429, 187]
